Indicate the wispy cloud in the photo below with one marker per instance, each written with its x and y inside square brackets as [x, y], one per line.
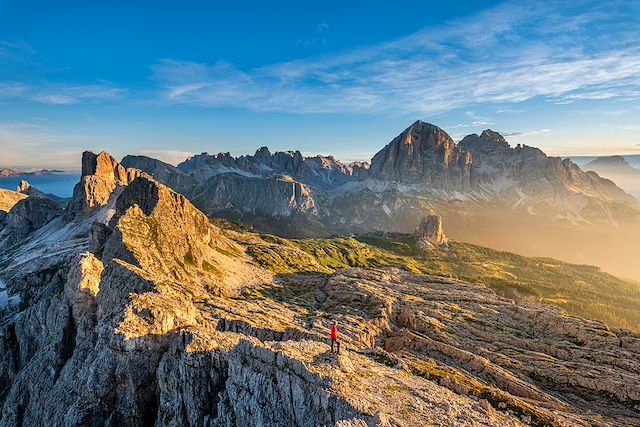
[15, 51]
[74, 94]
[43, 92]
[523, 133]
[562, 51]
[474, 124]
[61, 94]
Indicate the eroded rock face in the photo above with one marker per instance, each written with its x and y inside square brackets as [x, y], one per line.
[101, 176]
[430, 233]
[162, 172]
[8, 199]
[25, 188]
[25, 217]
[423, 154]
[275, 196]
[170, 323]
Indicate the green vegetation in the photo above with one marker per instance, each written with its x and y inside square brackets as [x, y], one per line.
[581, 290]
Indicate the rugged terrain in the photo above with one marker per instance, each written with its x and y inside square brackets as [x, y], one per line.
[489, 193]
[137, 310]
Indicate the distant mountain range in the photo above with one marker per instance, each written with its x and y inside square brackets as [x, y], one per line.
[489, 193]
[12, 173]
[132, 307]
[619, 170]
[632, 159]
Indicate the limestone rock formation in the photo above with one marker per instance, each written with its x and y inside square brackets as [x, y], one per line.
[25, 217]
[25, 188]
[101, 176]
[319, 171]
[158, 317]
[423, 154]
[163, 172]
[9, 198]
[429, 233]
[277, 196]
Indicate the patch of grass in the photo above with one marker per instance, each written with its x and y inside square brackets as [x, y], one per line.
[581, 290]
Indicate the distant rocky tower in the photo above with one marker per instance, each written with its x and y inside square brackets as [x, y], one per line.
[429, 233]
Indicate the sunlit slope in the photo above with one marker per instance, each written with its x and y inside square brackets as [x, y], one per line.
[581, 290]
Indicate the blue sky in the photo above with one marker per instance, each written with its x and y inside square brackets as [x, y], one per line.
[169, 79]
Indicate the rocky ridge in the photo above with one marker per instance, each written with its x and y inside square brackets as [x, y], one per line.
[556, 208]
[162, 318]
[8, 199]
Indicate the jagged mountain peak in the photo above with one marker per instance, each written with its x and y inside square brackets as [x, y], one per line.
[102, 164]
[609, 161]
[101, 176]
[420, 154]
[488, 140]
[263, 153]
[492, 135]
[23, 186]
[423, 132]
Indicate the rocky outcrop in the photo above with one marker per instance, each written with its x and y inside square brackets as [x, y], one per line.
[423, 154]
[429, 233]
[27, 189]
[8, 199]
[25, 217]
[101, 176]
[169, 322]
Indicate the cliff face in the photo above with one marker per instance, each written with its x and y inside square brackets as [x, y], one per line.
[429, 232]
[219, 188]
[8, 199]
[423, 154]
[158, 317]
[275, 196]
[101, 176]
[25, 217]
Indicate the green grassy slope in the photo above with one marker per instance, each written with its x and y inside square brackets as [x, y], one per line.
[581, 290]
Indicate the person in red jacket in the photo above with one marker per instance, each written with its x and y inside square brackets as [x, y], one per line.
[334, 337]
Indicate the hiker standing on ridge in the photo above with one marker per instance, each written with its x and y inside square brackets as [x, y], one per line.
[334, 337]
